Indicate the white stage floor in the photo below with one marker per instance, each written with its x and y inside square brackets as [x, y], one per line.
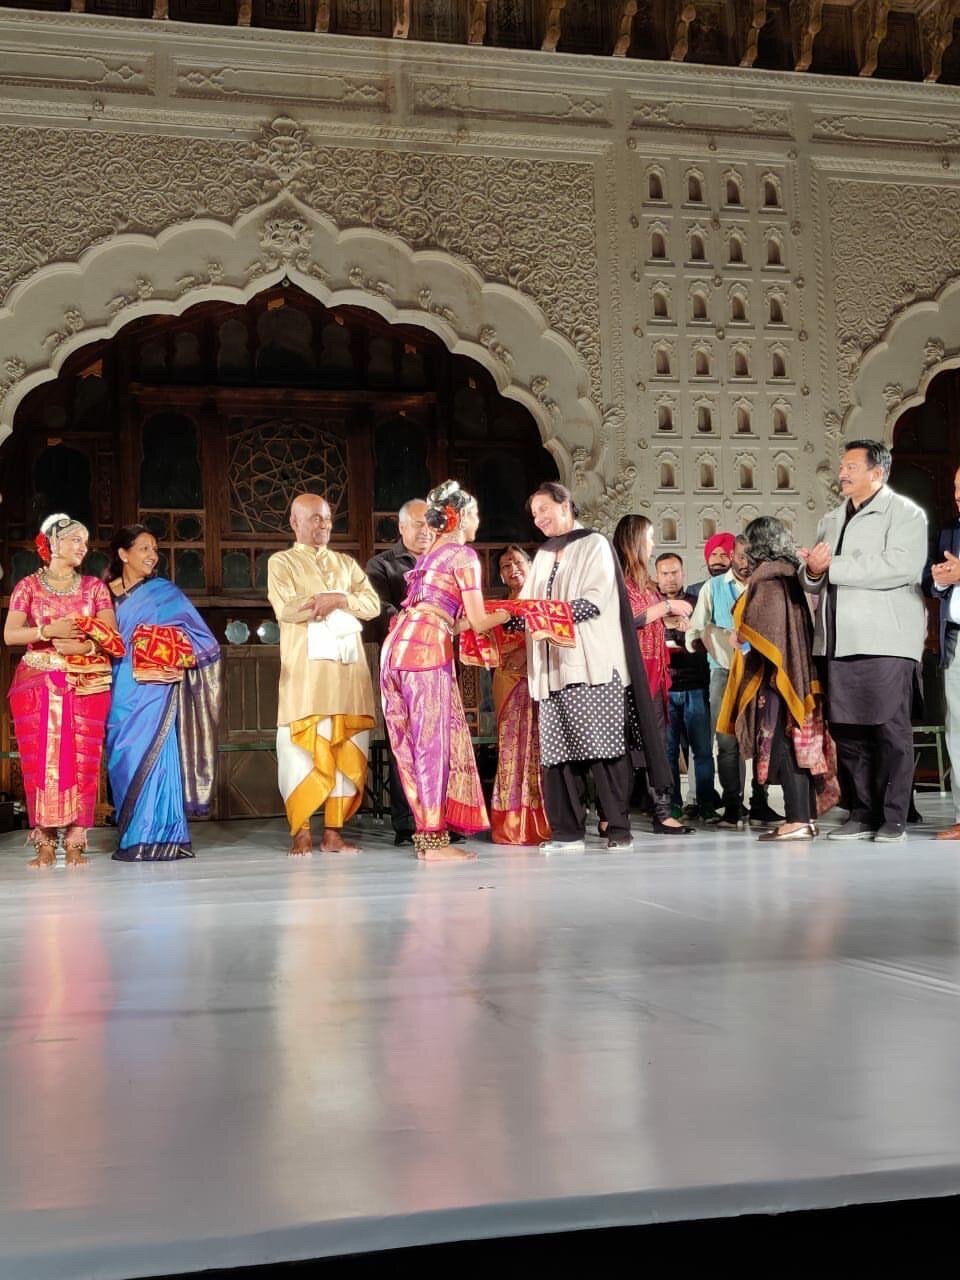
[249, 1058]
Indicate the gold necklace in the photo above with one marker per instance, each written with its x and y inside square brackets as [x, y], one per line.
[73, 582]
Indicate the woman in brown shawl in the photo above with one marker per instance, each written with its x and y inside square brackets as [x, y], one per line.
[773, 701]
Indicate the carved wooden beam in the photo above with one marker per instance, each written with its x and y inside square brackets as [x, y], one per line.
[758, 20]
[936, 36]
[322, 23]
[161, 10]
[806, 19]
[478, 22]
[681, 33]
[873, 32]
[627, 13]
[244, 13]
[552, 33]
[401, 19]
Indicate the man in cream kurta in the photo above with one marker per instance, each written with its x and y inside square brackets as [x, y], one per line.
[325, 710]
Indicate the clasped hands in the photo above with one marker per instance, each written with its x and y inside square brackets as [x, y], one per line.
[66, 637]
[817, 559]
[947, 572]
[323, 603]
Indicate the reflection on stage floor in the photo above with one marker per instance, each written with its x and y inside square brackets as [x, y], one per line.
[248, 1057]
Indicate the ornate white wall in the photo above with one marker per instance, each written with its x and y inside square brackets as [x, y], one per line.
[697, 279]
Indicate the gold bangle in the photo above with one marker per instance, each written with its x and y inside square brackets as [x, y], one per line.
[40, 636]
[93, 648]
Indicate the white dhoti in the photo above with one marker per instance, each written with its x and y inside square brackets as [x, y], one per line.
[322, 761]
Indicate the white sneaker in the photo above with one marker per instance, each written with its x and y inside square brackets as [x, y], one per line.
[563, 846]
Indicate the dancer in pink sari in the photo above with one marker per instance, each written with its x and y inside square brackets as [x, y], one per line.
[517, 814]
[422, 708]
[60, 694]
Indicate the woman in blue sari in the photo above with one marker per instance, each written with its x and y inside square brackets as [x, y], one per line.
[161, 732]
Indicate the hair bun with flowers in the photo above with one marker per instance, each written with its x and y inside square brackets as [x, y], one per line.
[446, 505]
[50, 532]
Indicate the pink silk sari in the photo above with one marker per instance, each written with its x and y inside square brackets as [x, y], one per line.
[422, 708]
[59, 730]
[517, 814]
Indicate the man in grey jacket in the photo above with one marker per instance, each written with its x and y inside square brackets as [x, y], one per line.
[866, 570]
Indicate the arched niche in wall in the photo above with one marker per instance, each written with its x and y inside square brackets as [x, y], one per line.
[209, 456]
[733, 189]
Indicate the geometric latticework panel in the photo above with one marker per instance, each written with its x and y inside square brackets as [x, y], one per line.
[270, 462]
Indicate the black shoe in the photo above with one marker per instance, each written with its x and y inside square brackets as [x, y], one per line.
[456, 837]
[763, 816]
[730, 819]
[402, 837]
[661, 829]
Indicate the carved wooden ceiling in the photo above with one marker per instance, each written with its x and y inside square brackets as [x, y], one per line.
[887, 39]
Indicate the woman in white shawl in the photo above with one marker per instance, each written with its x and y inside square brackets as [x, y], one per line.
[593, 700]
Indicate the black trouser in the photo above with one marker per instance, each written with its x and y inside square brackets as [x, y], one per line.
[564, 786]
[799, 798]
[875, 762]
[401, 819]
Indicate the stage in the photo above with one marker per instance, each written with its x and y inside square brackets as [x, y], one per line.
[249, 1058]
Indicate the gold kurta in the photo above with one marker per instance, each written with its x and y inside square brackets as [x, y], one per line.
[314, 686]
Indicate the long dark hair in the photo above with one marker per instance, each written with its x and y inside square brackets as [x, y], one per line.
[123, 540]
[628, 542]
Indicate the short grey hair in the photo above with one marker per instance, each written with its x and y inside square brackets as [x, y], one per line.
[404, 513]
[768, 538]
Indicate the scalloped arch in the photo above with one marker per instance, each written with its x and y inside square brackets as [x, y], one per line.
[920, 342]
[65, 306]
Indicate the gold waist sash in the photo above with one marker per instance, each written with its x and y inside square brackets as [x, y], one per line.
[45, 660]
[421, 640]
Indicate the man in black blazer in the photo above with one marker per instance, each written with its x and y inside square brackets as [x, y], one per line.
[942, 580]
[386, 572]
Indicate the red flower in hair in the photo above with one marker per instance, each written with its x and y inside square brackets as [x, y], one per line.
[42, 543]
[452, 519]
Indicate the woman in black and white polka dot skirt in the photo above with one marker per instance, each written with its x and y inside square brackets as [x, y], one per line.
[593, 700]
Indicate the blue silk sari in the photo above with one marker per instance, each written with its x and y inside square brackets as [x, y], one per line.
[161, 738]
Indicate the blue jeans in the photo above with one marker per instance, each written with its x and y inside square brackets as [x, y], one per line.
[690, 714]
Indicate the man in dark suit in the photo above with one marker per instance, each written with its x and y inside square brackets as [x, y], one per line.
[942, 580]
[386, 571]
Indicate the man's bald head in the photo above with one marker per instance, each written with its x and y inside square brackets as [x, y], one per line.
[311, 519]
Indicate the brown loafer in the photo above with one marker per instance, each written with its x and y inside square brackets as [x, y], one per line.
[951, 833]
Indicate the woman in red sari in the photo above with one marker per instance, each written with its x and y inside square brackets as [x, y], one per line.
[60, 694]
[633, 542]
[517, 815]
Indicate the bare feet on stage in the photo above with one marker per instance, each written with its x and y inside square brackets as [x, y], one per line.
[446, 853]
[75, 847]
[301, 845]
[434, 846]
[333, 842]
[45, 843]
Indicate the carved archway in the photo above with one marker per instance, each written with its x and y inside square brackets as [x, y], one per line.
[64, 306]
[894, 374]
